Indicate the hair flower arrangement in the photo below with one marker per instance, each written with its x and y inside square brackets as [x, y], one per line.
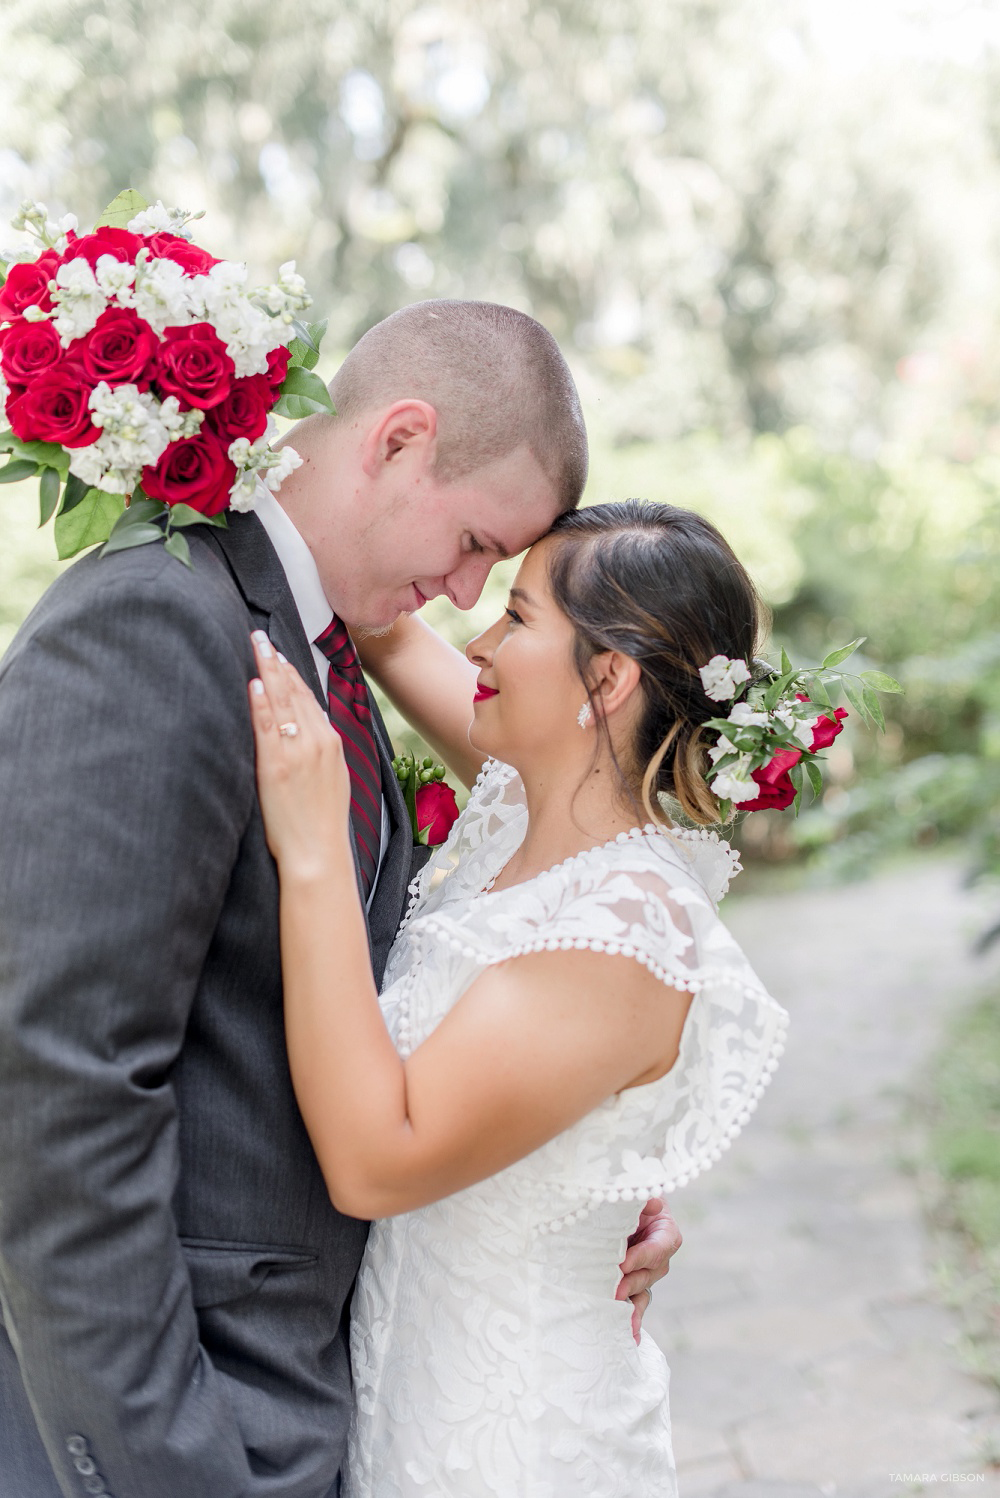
[779, 722]
[139, 376]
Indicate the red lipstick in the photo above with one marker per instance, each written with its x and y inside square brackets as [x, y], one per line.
[483, 692]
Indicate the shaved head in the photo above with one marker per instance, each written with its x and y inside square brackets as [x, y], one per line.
[495, 377]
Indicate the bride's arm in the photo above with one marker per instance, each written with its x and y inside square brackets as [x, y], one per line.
[534, 1045]
[431, 684]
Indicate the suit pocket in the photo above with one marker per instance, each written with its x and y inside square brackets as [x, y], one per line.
[221, 1272]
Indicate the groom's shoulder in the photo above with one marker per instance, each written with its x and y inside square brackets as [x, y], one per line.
[143, 585]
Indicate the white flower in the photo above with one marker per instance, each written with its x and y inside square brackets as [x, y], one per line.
[243, 495]
[34, 313]
[286, 462]
[79, 298]
[162, 294]
[177, 422]
[744, 716]
[287, 296]
[116, 278]
[4, 392]
[721, 748]
[21, 255]
[89, 464]
[804, 729]
[160, 220]
[735, 787]
[722, 676]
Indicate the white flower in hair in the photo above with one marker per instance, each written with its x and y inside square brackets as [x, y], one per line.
[744, 716]
[721, 677]
[734, 786]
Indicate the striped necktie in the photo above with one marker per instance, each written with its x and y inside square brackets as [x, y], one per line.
[351, 716]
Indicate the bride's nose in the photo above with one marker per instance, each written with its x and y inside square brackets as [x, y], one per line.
[479, 650]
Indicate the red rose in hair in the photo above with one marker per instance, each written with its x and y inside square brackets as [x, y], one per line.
[27, 285]
[243, 413]
[118, 243]
[27, 349]
[776, 788]
[826, 729]
[54, 408]
[437, 810]
[277, 367]
[193, 471]
[194, 366]
[120, 349]
[190, 257]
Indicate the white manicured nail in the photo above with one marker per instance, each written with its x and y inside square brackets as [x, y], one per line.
[257, 687]
[262, 643]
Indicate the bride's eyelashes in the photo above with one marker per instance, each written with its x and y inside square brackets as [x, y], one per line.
[513, 616]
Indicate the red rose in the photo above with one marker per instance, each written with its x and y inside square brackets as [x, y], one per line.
[243, 413]
[190, 257]
[27, 285]
[27, 350]
[118, 243]
[54, 408]
[193, 471]
[277, 367]
[194, 366]
[776, 788]
[120, 349]
[826, 729]
[437, 810]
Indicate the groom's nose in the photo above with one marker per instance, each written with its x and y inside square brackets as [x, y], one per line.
[465, 583]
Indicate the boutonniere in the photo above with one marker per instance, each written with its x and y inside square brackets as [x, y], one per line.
[430, 802]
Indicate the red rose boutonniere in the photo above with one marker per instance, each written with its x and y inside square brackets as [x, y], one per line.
[431, 804]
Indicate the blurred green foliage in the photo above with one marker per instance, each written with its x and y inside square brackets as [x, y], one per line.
[965, 1153]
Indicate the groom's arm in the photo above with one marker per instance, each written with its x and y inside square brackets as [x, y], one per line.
[126, 783]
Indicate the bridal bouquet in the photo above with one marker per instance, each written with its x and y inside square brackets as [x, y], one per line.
[139, 376]
[779, 723]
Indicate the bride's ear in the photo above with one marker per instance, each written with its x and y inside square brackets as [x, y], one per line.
[615, 679]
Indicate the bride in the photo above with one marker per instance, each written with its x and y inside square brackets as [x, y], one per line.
[565, 1029]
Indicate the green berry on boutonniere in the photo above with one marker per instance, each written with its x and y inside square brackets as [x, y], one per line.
[430, 802]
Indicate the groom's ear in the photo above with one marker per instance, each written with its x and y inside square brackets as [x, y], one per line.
[405, 432]
[616, 678]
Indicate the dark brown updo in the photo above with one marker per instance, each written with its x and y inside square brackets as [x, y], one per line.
[662, 586]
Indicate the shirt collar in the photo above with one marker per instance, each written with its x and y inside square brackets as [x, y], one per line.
[298, 564]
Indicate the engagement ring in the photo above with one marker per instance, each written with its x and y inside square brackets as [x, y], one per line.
[288, 730]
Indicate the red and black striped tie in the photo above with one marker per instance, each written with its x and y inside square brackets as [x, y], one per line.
[351, 716]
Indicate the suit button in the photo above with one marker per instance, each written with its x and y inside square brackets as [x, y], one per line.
[76, 1446]
[85, 1465]
[94, 1484]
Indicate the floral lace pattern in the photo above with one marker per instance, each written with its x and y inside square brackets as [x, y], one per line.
[490, 1356]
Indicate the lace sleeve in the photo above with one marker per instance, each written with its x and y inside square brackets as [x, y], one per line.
[639, 899]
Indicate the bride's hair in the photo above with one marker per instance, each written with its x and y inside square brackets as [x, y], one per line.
[662, 586]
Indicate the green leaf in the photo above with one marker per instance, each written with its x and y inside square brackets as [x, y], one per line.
[123, 538]
[795, 775]
[121, 209]
[303, 394]
[184, 515]
[815, 777]
[854, 698]
[48, 494]
[74, 493]
[874, 707]
[818, 693]
[88, 523]
[49, 453]
[17, 469]
[304, 347]
[836, 656]
[880, 682]
[786, 665]
[778, 688]
[141, 511]
[178, 547]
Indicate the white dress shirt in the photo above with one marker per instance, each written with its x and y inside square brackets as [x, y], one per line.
[314, 609]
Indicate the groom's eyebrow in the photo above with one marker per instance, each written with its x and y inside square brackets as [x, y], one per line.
[496, 545]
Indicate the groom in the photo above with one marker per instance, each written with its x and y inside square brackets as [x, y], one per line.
[174, 1281]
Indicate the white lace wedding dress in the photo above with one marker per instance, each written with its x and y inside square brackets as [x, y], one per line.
[490, 1356]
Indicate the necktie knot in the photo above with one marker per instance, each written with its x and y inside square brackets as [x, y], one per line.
[335, 643]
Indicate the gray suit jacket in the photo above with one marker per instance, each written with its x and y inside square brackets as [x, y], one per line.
[174, 1281]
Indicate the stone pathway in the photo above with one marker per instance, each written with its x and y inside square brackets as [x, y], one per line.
[810, 1354]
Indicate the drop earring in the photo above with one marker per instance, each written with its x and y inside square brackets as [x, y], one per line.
[584, 716]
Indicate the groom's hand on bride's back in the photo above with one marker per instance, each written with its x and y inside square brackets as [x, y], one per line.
[650, 1249]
